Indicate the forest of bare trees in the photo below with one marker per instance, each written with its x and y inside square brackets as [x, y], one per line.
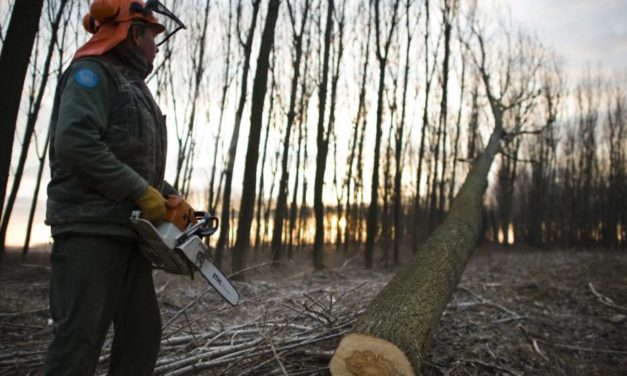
[346, 127]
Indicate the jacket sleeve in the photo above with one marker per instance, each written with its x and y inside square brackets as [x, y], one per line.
[167, 189]
[83, 117]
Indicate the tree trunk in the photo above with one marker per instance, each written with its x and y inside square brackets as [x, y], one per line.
[323, 145]
[382, 56]
[351, 218]
[33, 206]
[223, 239]
[185, 160]
[304, 100]
[30, 124]
[387, 177]
[423, 133]
[458, 132]
[61, 46]
[294, 203]
[213, 195]
[258, 240]
[398, 209]
[252, 155]
[266, 213]
[281, 204]
[16, 51]
[448, 14]
[303, 204]
[400, 321]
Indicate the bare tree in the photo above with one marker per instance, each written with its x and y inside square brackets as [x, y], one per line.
[587, 102]
[281, 203]
[398, 208]
[268, 128]
[304, 98]
[16, 50]
[338, 52]
[322, 143]
[458, 129]
[448, 12]
[33, 113]
[616, 133]
[223, 239]
[543, 151]
[213, 195]
[306, 94]
[185, 138]
[60, 49]
[382, 57]
[429, 71]
[356, 143]
[252, 155]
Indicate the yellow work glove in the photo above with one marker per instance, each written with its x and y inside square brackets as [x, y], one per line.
[152, 204]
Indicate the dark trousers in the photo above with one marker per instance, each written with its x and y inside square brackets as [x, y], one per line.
[94, 281]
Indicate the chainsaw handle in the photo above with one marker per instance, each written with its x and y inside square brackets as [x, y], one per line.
[212, 223]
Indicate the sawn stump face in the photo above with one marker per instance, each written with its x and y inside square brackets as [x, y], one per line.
[364, 355]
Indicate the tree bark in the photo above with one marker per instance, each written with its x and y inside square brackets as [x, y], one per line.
[458, 132]
[304, 100]
[252, 155]
[382, 56]
[281, 204]
[30, 123]
[429, 74]
[323, 145]
[258, 239]
[351, 217]
[16, 50]
[223, 239]
[440, 144]
[213, 195]
[398, 209]
[448, 16]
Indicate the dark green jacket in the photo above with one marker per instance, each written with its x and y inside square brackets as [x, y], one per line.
[108, 142]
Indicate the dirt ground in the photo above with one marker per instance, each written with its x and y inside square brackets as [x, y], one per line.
[517, 311]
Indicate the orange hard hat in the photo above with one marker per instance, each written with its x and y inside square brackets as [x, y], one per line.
[110, 20]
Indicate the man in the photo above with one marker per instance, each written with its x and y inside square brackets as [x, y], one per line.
[107, 158]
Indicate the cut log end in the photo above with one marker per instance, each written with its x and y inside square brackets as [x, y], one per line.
[365, 355]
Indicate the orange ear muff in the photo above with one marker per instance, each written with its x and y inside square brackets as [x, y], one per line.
[104, 10]
[89, 24]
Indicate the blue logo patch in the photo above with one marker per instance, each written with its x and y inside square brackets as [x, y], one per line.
[86, 78]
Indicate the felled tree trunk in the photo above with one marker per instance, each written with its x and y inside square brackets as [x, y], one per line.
[391, 336]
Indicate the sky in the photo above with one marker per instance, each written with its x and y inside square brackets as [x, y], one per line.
[582, 32]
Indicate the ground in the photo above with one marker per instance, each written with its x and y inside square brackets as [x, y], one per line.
[516, 311]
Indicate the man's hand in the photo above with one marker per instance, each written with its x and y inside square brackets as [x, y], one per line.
[152, 204]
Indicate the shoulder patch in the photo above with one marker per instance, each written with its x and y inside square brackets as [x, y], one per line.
[86, 78]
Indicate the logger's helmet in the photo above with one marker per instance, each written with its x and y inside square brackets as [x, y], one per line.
[110, 20]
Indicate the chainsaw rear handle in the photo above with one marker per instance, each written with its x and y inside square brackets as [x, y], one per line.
[212, 223]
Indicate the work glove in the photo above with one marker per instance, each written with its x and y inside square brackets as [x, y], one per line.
[152, 204]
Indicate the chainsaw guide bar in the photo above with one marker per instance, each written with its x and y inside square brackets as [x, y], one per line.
[183, 252]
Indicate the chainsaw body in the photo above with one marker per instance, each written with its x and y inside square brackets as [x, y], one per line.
[176, 244]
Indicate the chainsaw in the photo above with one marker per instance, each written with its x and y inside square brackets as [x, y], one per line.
[176, 245]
